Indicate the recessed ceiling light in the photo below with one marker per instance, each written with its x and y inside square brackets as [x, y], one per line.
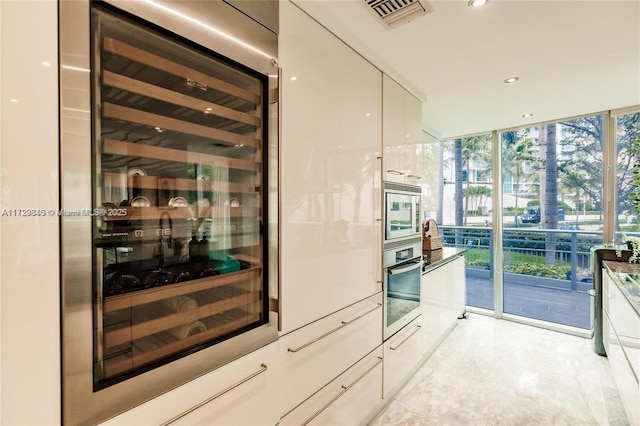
[294, 78]
[14, 100]
[512, 79]
[477, 3]
[46, 64]
[368, 114]
[527, 115]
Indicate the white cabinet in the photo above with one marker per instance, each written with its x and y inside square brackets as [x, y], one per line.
[459, 282]
[622, 371]
[443, 300]
[31, 178]
[402, 355]
[244, 392]
[353, 398]
[402, 133]
[330, 172]
[317, 353]
[621, 336]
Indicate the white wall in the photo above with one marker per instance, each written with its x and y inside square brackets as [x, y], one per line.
[29, 255]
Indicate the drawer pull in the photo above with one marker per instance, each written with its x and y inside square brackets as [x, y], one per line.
[395, 172]
[342, 324]
[414, 176]
[263, 368]
[418, 326]
[344, 389]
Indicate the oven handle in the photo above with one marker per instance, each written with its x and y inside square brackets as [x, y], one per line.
[393, 271]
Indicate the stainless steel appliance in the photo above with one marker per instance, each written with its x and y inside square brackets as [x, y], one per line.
[402, 276]
[402, 223]
[168, 111]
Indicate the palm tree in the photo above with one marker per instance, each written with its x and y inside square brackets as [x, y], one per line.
[549, 194]
[473, 147]
[458, 188]
[517, 154]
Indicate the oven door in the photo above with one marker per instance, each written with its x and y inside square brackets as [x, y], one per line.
[401, 295]
[402, 215]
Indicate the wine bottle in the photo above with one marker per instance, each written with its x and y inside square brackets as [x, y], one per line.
[194, 248]
[203, 247]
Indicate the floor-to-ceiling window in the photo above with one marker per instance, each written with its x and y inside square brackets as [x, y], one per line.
[552, 196]
[627, 131]
[551, 207]
[465, 210]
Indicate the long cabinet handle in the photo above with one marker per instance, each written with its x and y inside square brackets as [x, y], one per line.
[395, 172]
[263, 368]
[342, 324]
[344, 389]
[418, 326]
[414, 176]
[279, 202]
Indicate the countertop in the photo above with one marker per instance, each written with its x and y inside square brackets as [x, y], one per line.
[434, 258]
[627, 277]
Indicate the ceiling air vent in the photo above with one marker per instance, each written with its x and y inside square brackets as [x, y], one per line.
[397, 12]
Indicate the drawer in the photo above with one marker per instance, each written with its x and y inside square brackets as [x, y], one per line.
[244, 392]
[317, 353]
[402, 353]
[352, 398]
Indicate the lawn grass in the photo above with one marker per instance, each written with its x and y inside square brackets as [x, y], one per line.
[480, 257]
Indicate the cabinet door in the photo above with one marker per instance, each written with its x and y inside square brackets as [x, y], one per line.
[315, 354]
[244, 392]
[402, 353]
[393, 126]
[436, 312]
[331, 141]
[443, 300]
[351, 399]
[413, 139]
[626, 323]
[459, 282]
[622, 372]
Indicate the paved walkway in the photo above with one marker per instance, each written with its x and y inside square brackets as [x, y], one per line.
[547, 304]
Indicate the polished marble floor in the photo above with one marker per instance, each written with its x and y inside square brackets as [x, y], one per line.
[498, 372]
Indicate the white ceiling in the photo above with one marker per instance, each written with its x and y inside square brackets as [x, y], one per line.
[572, 57]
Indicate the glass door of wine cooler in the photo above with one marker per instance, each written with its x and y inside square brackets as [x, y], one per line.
[179, 178]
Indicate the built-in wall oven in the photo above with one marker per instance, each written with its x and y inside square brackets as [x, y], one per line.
[401, 256]
[402, 274]
[168, 196]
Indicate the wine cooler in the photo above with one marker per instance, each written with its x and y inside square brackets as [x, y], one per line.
[169, 165]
